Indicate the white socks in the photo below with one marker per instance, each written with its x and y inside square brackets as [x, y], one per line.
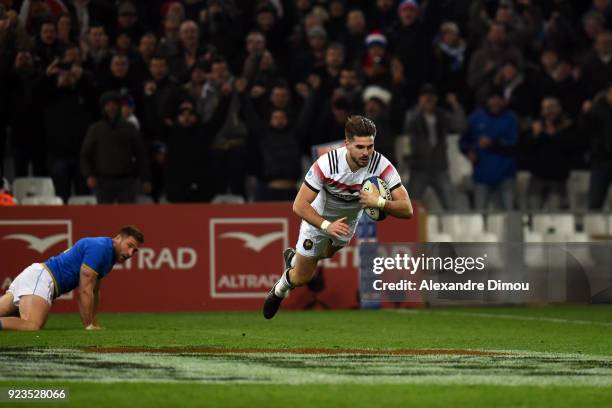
[283, 285]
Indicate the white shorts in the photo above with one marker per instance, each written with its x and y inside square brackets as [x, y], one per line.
[312, 241]
[34, 280]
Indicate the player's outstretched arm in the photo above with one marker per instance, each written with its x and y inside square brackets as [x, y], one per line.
[303, 208]
[87, 284]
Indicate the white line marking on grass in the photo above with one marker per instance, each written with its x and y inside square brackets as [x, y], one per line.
[505, 316]
[516, 368]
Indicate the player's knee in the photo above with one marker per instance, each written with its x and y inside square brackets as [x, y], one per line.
[299, 279]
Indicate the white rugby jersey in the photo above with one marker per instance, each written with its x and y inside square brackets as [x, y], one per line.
[338, 186]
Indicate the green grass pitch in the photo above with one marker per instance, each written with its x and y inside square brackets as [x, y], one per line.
[557, 356]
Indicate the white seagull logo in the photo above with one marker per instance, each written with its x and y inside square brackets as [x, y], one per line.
[40, 245]
[253, 241]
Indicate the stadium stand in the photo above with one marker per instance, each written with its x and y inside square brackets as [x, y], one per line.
[42, 200]
[406, 64]
[24, 187]
[82, 200]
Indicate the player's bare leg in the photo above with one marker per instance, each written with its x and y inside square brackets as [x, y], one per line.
[7, 308]
[299, 274]
[33, 311]
[300, 270]
[303, 270]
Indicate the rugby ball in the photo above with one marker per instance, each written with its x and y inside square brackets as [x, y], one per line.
[370, 184]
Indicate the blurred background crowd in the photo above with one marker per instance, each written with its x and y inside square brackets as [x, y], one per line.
[182, 101]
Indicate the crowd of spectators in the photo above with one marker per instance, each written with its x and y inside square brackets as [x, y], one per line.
[190, 99]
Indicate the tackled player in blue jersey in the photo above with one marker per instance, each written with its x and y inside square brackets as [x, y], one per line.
[27, 302]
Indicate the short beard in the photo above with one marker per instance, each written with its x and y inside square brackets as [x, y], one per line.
[356, 161]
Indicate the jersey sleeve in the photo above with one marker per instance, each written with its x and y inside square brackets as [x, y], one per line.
[315, 178]
[389, 174]
[95, 260]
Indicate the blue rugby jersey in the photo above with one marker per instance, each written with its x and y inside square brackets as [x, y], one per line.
[96, 254]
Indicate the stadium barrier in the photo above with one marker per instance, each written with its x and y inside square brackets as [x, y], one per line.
[195, 257]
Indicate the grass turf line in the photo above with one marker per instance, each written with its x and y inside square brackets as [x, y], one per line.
[336, 329]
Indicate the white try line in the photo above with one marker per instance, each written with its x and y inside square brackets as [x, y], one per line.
[505, 316]
[510, 369]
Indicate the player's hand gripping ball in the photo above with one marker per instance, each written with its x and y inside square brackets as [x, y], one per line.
[375, 184]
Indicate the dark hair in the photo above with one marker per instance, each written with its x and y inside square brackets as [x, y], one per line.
[48, 21]
[218, 59]
[117, 55]
[281, 83]
[148, 34]
[277, 110]
[132, 231]
[64, 14]
[265, 8]
[510, 61]
[158, 56]
[255, 31]
[357, 125]
[352, 68]
[67, 47]
[495, 91]
[123, 32]
[342, 103]
[337, 45]
[96, 24]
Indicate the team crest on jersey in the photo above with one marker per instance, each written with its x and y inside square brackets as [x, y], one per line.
[308, 245]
